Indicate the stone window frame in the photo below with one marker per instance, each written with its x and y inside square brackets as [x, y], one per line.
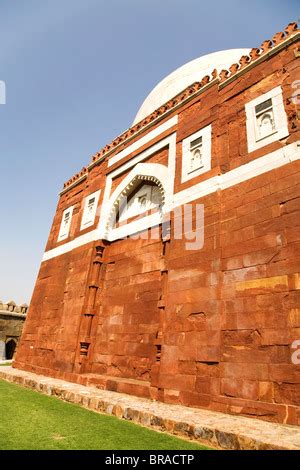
[64, 229]
[205, 135]
[88, 217]
[164, 175]
[280, 131]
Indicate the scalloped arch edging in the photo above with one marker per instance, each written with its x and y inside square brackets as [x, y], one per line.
[152, 172]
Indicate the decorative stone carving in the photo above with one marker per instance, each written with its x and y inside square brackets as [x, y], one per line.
[278, 38]
[223, 75]
[12, 307]
[254, 53]
[24, 308]
[147, 198]
[291, 28]
[244, 60]
[233, 69]
[266, 45]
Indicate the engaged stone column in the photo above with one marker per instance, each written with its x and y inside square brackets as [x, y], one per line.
[89, 310]
[2, 351]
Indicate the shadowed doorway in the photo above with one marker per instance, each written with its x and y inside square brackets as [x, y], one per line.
[10, 348]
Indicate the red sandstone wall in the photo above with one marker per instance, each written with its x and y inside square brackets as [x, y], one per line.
[211, 327]
[49, 338]
[129, 317]
[233, 307]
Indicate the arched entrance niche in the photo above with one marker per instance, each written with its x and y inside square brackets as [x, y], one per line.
[10, 347]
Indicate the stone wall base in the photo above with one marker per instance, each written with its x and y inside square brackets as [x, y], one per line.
[208, 427]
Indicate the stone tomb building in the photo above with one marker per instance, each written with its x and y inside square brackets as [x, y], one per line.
[125, 303]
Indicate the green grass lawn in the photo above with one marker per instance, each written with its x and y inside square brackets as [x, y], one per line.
[30, 420]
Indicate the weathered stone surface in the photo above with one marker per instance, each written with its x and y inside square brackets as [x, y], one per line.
[12, 319]
[209, 427]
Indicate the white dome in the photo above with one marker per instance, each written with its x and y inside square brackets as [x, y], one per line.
[186, 75]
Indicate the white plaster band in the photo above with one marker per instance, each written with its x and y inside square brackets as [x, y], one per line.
[143, 140]
[243, 173]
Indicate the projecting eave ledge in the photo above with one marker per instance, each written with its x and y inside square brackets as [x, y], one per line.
[158, 119]
[73, 185]
[6, 313]
[142, 130]
[261, 59]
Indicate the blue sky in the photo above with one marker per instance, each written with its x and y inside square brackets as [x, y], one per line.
[76, 73]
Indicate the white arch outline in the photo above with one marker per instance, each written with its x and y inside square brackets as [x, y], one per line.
[154, 172]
